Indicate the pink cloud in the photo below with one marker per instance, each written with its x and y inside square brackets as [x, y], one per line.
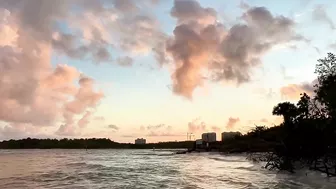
[67, 130]
[85, 120]
[32, 92]
[197, 126]
[200, 42]
[293, 91]
[232, 122]
[20, 131]
[215, 129]
[85, 98]
[99, 118]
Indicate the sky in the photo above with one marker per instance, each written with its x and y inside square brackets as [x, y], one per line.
[156, 69]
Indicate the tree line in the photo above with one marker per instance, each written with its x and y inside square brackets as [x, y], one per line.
[86, 143]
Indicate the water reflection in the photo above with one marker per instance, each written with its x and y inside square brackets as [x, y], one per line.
[141, 169]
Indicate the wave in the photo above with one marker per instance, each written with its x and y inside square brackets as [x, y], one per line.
[166, 154]
[96, 166]
[144, 154]
[154, 154]
[250, 168]
[77, 164]
[84, 165]
[226, 160]
[146, 169]
[237, 183]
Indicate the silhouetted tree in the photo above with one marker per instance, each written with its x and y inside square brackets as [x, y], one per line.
[303, 106]
[309, 127]
[326, 88]
[286, 109]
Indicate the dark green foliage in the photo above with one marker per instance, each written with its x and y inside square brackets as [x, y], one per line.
[325, 89]
[287, 110]
[309, 131]
[307, 135]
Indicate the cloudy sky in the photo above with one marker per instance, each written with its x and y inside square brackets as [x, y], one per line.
[154, 68]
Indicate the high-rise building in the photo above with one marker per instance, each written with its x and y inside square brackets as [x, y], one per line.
[140, 141]
[229, 135]
[209, 137]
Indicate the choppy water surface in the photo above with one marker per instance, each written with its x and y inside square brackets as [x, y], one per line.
[142, 169]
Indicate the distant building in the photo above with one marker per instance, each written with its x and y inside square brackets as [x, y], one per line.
[199, 143]
[140, 141]
[209, 137]
[230, 135]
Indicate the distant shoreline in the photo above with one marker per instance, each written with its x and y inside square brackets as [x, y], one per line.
[90, 143]
[238, 145]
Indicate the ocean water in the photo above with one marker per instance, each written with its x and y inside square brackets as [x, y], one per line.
[143, 169]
